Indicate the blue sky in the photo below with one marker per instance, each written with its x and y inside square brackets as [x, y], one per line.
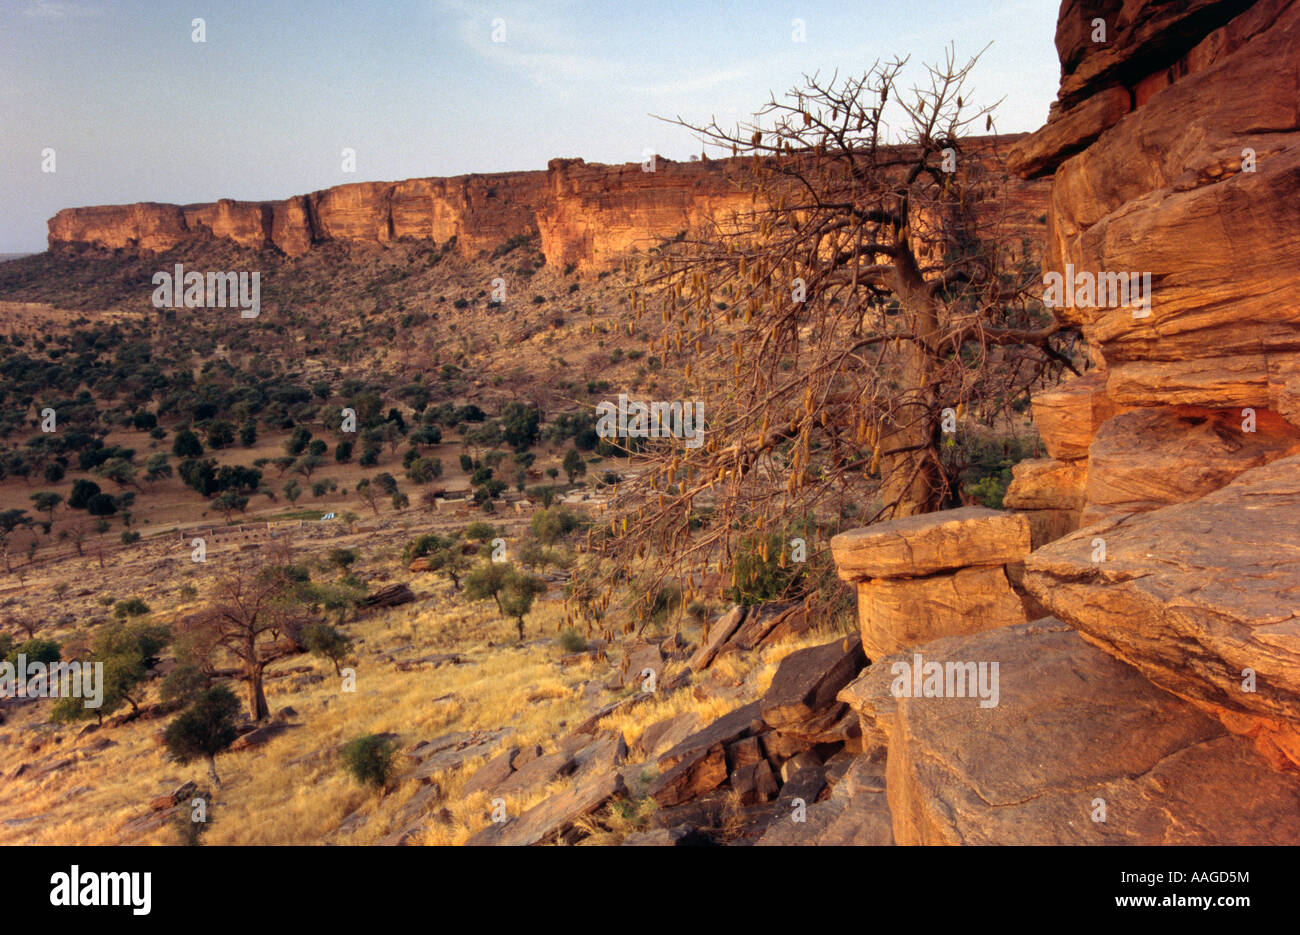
[137, 111]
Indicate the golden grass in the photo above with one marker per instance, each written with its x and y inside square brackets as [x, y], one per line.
[293, 790]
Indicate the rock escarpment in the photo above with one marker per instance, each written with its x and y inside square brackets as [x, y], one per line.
[1188, 173]
[586, 215]
[1158, 702]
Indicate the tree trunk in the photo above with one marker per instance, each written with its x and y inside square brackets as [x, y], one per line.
[212, 771]
[910, 474]
[257, 707]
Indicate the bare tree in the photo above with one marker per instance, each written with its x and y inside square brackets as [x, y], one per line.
[840, 328]
[254, 613]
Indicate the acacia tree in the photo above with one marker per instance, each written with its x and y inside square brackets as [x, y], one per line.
[255, 614]
[867, 301]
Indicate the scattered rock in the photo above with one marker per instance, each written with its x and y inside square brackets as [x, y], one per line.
[550, 819]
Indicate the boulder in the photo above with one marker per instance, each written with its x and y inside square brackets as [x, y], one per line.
[492, 773]
[1075, 736]
[702, 771]
[536, 773]
[641, 658]
[754, 783]
[606, 752]
[698, 764]
[390, 596]
[722, 630]
[666, 733]
[551, 818]
[898, 613]
[453, 750]
[767, 623]
[856, 813]
[1046, 484]
[1148, 458]
[1169, 190]
[743, 722]
[1068, 416]
[1196, 594]
[932, 542]
[801, 696]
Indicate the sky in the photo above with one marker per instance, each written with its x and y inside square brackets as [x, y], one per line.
[136, 110]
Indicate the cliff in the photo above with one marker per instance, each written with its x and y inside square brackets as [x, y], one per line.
[1152, 661]
[586, 214]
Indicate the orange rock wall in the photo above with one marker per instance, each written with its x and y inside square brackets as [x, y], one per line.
[587, 215]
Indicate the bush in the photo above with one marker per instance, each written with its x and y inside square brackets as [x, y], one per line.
[186, 445]
[45, 652]
[342, 558]
[369, 760]
[82, 491]
[571, 641]
[131, 607]
[479, 532]
[101, 504]
[184, 684]
[550, 525]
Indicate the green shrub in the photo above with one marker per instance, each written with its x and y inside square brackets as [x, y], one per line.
[369, 760]
[571, 641]
[131, 607]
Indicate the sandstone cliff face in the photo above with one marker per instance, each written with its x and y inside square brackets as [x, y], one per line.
[1176, 150]
[1176, 454]
[596, 213]
[1162, 182]
[587, 215]
[480, 211]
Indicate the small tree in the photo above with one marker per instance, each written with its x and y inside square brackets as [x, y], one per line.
[512, 591]
[256, 614]
[369, 759]
[573, 465]
[230, 502]
[131, 607]
[46, 501]
[370, 493]
[444, 554]
[325, 641]
[186, 445]
[205, 729]
[11, 520]
[518, 595]
[127, 653]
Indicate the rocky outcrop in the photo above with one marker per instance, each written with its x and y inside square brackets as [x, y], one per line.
[1203, 598]
[939, 574]
[1149, 458]
[586, 215]
[1192, 183]
[1078, 749]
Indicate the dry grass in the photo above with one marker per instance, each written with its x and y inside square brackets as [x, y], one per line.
[293, 790]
